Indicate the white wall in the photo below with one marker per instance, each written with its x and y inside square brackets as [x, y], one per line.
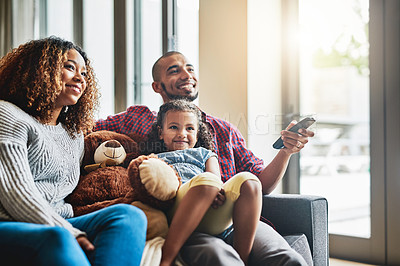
[223, 60]
[240, 79]
[264, 75]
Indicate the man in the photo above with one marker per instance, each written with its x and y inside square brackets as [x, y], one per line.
[174, 78]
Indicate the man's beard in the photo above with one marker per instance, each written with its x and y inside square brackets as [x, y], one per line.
[190, 98]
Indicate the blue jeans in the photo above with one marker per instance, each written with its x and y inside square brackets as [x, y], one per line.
[118, 233]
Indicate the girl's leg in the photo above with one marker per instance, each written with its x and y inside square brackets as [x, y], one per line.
[246, 214]
[36, 244]
[193, 200]
[118, 233]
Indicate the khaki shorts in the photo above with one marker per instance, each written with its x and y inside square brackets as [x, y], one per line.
[215, 221]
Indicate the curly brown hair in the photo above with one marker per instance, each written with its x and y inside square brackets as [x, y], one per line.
[30, 77]
[153, 144]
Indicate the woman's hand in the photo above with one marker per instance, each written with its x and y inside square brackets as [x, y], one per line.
[85, 244]
[219, 199]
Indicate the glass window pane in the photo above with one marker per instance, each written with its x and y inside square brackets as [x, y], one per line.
[130, 53]
[334, 86]
[151, 49]
[188, 30]
[60, 23]
[98, 39]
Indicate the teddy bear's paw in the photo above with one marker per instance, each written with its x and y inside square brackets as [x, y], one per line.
[159, 179]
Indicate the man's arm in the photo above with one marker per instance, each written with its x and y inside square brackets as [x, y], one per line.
[273, 173]
[112, 123]
[136, 119]
[235, 157]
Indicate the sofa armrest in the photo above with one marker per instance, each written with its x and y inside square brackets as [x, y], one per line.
[295, 214]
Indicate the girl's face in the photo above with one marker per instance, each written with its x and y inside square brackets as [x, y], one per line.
[73, 79]
[179, 130]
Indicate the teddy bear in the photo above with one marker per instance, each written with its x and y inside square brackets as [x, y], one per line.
[113, 171]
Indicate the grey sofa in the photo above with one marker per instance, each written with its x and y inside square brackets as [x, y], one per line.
[303, 221]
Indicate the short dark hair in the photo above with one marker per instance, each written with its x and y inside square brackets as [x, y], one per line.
[155, 71]
[153, 144]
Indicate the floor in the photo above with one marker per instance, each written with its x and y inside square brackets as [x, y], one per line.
[337, 262]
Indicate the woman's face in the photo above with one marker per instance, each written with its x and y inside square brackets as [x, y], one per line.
[73, 79]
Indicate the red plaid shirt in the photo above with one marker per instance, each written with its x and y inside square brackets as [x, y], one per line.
[233, 156]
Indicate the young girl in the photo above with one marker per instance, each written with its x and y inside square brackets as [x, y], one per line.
[181, 139]
[47, 97]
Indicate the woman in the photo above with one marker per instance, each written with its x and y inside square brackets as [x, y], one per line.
[47, 98]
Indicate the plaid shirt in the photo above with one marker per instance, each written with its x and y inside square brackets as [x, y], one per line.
[233, 156]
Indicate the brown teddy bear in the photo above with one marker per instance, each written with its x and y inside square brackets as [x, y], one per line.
[114, 172]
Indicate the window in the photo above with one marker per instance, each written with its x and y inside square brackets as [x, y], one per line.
[123, 39]
[334, 86]
[98, 43]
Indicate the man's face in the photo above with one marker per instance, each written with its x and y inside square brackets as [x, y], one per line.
[177, 79]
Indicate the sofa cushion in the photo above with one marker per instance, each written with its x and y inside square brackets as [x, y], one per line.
[300, 244]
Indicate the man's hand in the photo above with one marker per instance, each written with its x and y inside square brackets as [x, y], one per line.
[219, 199]
[85, 244]
[294, 142]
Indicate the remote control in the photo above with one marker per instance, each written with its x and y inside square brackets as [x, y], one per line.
[305, 123]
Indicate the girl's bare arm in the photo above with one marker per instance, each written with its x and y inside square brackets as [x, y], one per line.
[212, 166]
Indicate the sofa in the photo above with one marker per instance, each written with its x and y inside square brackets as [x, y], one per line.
[303, 221]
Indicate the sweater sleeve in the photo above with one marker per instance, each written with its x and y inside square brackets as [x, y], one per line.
[18, 193]
[20, 200]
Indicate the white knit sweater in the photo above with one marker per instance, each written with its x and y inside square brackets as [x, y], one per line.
[39, 167]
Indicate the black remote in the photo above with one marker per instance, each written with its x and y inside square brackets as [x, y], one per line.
[305, 123]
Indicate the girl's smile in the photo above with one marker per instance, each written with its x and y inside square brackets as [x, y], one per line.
[179, 130]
